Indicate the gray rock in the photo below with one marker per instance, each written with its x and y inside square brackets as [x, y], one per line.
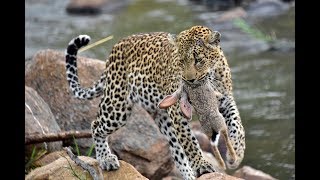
[39, 119]
[46, 74]
[85, 6]
[218, 175]
[249, 173]
[267, 8]
[60, 169]
[141, 144]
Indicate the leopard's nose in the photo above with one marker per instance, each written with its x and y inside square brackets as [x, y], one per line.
[191, 80]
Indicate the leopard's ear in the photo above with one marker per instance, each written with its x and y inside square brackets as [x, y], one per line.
[185, 106]
[168, 101]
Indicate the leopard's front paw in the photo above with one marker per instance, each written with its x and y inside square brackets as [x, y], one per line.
[204, 168]
[109, 163]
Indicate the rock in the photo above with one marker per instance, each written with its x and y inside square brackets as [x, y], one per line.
[211, 159]
[232, 14]
[49, 158]
[39, 120]
[221, 5]
[204, 141]
[267, 8]
[171, 178]
[146, 148]
[217, 176]
[282, 45]
[175, 174]
[85, 6]
[46, 74]
[141, 144]
[249, 173]
[60, 169]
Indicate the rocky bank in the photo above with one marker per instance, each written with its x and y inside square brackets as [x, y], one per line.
[50, 107]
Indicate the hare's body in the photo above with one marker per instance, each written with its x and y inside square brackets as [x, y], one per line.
[204, 100]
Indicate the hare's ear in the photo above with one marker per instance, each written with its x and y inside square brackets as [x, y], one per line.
[168, 101]
[185, 106]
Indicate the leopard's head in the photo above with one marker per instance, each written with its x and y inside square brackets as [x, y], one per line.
[199, 49]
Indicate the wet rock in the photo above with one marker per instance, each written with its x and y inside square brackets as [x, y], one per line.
[233, 40]
[282, 45]
[249, 173]
[219, 5]
[85, 6]
[232, 14]
[46, 74]
[267, 8]
[60, 169]
[141, 144]
[39, 120]
[217, 175]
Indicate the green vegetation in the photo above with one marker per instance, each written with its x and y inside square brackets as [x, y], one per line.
[88, 153]
[76, 147]
[254, 32]
[35, 155]
[74, 173]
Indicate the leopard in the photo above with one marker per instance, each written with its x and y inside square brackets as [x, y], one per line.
[141, 70]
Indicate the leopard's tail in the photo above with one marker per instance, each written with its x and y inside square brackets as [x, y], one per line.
[72, 74]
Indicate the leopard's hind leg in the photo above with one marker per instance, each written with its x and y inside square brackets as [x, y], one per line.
[113, 114]
[114, 109]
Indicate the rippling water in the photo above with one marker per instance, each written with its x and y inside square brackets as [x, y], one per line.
[263, 83]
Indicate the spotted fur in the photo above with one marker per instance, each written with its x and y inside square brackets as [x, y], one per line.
[142, 69]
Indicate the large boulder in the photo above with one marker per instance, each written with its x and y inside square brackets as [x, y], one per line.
[39, 120]
[249, 173]
[46, 73]
[85, 6]
[49, 158]
[218, 175]
[141, 144]
[146, 148]
[176, 175]
[63, 168]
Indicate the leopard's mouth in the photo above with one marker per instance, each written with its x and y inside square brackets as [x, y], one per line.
[196, 81]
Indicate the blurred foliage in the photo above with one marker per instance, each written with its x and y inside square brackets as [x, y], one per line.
[252, 31]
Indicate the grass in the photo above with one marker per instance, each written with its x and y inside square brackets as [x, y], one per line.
[35, 155]
[88, 153]
[76, 147]
[252, 31]
[74, 173]
[38, 153]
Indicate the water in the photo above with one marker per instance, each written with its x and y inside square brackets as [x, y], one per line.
[264, 90]
[263, 83]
